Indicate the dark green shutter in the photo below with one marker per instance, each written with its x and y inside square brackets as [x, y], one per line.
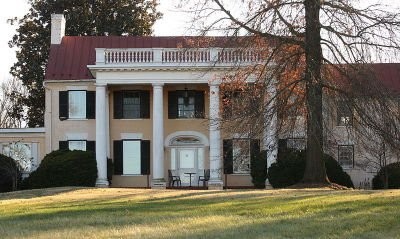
[199, 104]
[118, 157]
[172, 105]
[91, 146]
[228, 156]
[254, 147]
[90, 104]
[145, 104]
[145, 157]
[118, 104]
[63, 105]
[63, 145]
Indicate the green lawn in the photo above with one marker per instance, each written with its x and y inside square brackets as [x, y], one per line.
[136, 213]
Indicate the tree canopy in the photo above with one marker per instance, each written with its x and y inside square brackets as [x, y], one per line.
[313, 49]
[91, 18]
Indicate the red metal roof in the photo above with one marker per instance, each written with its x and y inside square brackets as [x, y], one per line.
[69, 60]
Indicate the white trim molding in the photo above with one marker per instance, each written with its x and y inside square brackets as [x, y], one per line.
[203, 139]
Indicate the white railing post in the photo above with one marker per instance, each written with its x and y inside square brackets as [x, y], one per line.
[100, 56]
[214, 54]
[157, 55]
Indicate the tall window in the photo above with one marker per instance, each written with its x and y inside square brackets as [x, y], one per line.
[77, 104]
[131, 157]
[241, 156]
[131, 104]
[185, 104]
[296, 143]
[21, 153]
[344, 114]
[346, 156]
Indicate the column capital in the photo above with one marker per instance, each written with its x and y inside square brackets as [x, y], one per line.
[214, 82]
[157, 84]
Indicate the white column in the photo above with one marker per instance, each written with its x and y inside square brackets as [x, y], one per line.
[101, 134]
[158, 137]
[215, 181]
[270, 138]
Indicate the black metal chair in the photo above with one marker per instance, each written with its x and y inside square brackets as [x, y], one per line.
[204, 178]
[172, 179]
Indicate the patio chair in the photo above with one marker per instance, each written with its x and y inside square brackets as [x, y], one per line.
[172, 179]
[204, 178]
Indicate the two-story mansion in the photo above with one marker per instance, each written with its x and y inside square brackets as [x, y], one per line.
[151, 104]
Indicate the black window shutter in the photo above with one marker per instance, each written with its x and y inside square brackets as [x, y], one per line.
[118, 107]
[90, 104]
[228, 156]
[199, 104]
[91, 146]
[118, 160]
[254, 147]
[145, 104]
[63, 145]
[63, 105]
[145, 157]
[172, 105]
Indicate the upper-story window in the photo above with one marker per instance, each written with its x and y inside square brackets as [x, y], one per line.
[185, 104]
[131, 104]
[77, 104]
[344, 114]
[346, 156]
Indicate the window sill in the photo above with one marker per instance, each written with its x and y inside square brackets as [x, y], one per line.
[240, 174]
[130, 175]
[82, 119]
[132, 119]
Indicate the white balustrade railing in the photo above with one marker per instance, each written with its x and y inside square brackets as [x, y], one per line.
[134, 56]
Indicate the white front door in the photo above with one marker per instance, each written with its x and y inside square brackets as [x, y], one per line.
[186, 160]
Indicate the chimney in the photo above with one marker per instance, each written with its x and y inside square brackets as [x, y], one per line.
[57, 28]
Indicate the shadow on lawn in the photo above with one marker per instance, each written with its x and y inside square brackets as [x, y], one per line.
[32, 193]
[333, 219]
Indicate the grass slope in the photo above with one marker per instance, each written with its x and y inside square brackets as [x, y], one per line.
[135, 213]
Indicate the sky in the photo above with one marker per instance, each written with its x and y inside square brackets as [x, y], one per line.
[173, 23]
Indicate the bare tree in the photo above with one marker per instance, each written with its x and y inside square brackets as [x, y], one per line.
[313, 49]
[8, 92]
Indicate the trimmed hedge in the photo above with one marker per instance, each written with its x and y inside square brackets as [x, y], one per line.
[10, 174]
[64, 168]
[290, 166]
[258, 170]
[393, 171]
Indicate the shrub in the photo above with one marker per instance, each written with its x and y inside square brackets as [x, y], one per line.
[10, 174]
[290, 166]
[393, 174]
[64, 168]
[258, 169]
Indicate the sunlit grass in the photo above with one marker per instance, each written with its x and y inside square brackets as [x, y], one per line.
[135, 213]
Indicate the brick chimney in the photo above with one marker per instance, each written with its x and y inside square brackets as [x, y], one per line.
[57, 28]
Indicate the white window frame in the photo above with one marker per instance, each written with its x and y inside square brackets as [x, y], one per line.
[75, 98]
[340, 161]
[72, 147]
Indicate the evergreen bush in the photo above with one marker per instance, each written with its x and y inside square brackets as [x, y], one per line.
[64, 168]
[393, 174]
[10, 174]
[258, 169]
[290, 165]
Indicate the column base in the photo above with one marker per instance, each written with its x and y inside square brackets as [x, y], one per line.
[102, 183]
[268, 184]
[215, 185]
[158, 184]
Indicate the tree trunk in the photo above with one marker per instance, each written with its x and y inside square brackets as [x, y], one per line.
[315, 172]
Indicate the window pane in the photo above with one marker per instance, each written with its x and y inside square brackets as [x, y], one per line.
[21, 153]
[131, 157]
[77, 104]
[241, 156]
[77, 145]
[131, 105]
[345, 157]
[186, 107]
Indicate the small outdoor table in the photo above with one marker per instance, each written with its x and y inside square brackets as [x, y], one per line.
[190, 180]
